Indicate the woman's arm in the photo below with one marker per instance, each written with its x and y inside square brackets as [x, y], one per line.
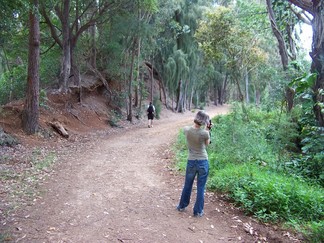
[207, 141]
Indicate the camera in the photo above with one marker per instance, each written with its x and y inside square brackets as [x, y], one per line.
[209, 126]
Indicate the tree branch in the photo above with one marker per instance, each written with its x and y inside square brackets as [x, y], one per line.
[306, 5]
[51, 26]
[301, 15]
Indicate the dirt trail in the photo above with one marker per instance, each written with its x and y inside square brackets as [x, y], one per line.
[121, 189]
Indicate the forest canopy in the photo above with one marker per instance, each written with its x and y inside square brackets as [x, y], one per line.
[184, 55]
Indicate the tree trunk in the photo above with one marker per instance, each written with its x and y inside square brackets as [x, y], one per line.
[247, 97]
[31, 112]
[152, 81]
[257, 96]
[220, 95]
[130, 85]
[66, 62]
[281, 42]
[282, 51]
[317, 56]
[215, 93]
[178, 95]
[141, 90]
[240, 94]
[315, 8]
[191, 97]
[93, 56]
[138, 72]
[223, 92]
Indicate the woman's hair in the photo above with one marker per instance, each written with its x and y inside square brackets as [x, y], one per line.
[201, 118]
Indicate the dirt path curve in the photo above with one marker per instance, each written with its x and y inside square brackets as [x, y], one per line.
[120, 189]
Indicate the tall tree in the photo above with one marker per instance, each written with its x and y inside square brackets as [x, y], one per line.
[75, 17]
[281, 42]
[316, 9]
[142, 12]
[31, 111]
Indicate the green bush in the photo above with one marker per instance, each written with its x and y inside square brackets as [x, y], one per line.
[158, 106]
[251, 160]
[181, 152]
[270, 196]
[236, 140]
[13, 84]
[49, 69]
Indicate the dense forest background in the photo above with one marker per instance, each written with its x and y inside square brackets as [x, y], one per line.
[186, 54]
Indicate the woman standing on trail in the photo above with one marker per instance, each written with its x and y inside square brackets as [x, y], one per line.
[198, 138]
[150, 114]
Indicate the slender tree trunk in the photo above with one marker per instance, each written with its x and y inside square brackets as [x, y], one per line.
[184, 97]
[282, 51]
[257, 96]
[215, 93]
[152, 81]
[292, 45]
[141, 90]
[240, 94]
[315, 8]
[130, 85]
[93, 56]
[66, 62]
[178, 95]
[247, 97]
[191, 98]
[138, 72]
[281, 42]
[31, 112]
[317, 56]
[223, 92]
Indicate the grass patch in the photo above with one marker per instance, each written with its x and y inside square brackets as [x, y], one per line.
[270, 196]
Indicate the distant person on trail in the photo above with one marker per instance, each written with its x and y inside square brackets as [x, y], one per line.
[198, 138]
[150, 114]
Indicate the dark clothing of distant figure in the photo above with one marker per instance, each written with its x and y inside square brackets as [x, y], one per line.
[150, 114]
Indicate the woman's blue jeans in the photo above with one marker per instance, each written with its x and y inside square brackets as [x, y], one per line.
[201, 169]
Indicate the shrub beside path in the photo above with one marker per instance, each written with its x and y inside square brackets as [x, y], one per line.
[122, 187]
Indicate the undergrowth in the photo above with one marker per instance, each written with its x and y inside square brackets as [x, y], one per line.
[250, 159]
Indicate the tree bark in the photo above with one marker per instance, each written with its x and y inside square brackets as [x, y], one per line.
[66, 60]
[315, 8]
[317, 55]
[130, 85]
[69, 39]
[152, 81]
[281, 42]
[138, 54]
[247, 96]
[282, 51]
[31, 112]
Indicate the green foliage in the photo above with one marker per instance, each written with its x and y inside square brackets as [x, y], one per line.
[13, 84]
[252, 159]
[181, 151]
[237, 139]
[114, 118]
[158, 106]
[50, 67]
[308, 163]
[314, 231]
[43, 98]
[270, 196]
[41, 161]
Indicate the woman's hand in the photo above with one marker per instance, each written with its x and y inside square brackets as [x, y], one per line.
[209, 126]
